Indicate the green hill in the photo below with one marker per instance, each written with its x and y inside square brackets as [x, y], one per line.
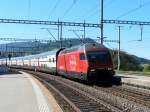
[129, 62]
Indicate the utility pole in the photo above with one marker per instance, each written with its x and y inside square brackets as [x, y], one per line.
[60, 34]
[141, 32]
[58, 30]
[102, 26]
[6, 54]
[119, 31]
[84, 31]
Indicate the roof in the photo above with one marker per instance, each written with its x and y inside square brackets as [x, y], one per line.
[86, 46]
[44, 54]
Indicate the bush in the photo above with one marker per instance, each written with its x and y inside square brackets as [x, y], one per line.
[128, 62]
[147, 68]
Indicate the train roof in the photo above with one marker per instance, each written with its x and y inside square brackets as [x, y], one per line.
[44, 54]
[86, 46]
[53, 52]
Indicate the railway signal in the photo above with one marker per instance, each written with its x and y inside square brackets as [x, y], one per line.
[9, 56]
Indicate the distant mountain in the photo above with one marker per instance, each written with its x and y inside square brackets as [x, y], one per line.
[16, 45]
[26, 48]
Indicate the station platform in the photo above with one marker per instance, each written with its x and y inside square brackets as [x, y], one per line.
[138, 80]
[20, 92]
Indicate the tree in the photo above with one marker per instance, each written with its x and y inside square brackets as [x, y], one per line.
[147, 67]
[128, 62]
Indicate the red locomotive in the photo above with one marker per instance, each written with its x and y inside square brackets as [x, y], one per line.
[86, 62]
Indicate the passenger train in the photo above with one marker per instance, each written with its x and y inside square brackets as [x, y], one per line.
[90, 61]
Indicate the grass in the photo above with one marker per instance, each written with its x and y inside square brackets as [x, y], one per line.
[134, 73]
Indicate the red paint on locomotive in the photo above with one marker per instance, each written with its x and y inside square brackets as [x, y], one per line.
[84, 62]
[71, 63]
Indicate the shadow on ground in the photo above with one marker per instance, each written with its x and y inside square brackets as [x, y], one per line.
[6, 70]
[114, 81]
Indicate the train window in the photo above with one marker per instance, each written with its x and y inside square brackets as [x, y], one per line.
[99, 56]
[82, 56]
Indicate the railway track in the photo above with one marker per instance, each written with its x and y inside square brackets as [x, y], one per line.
[135, 95]
[94, 98]
[78, 100]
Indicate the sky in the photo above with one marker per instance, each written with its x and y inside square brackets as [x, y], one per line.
[78, 11]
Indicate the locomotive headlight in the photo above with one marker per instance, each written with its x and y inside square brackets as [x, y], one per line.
[109, 68]
[92, 70]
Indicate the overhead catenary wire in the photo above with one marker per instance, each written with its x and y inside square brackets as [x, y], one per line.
[94, 9]
[109, 3]
[134, 9]
[55, 7]
[93, 14]
[29, 8]
[140, 3]
[69, 9]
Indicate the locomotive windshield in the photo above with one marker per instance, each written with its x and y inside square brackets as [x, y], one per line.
[102, 56]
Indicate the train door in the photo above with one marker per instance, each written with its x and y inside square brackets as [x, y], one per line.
[80, 64]
[83, 65]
